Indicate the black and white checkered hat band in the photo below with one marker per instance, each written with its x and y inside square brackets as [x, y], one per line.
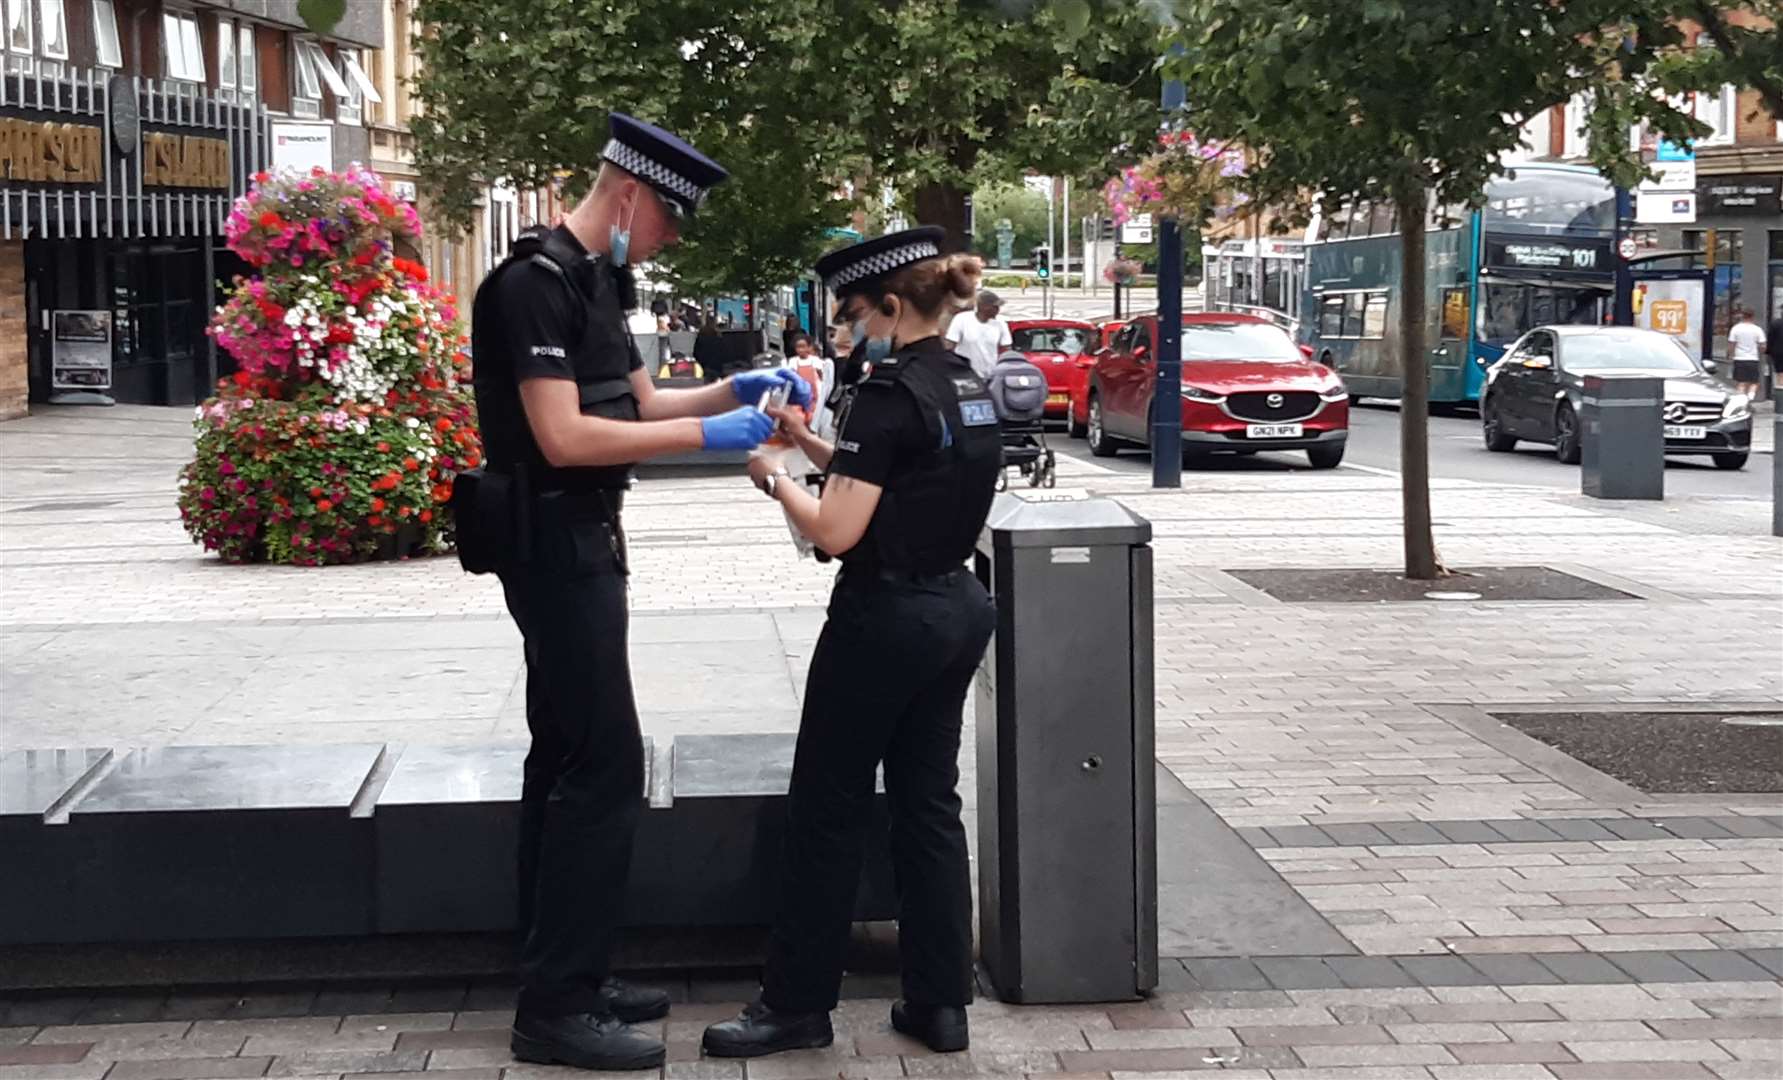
[638, 164]
[882, 263]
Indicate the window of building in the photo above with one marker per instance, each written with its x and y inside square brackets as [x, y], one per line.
[107, 50]
[181, 48]
[52, 16]
[1576, 142]
[306, 89]
[359, 87]
[247, 61]
[226, 42]
[1352, 315]
[1717, 108]
[19, 54]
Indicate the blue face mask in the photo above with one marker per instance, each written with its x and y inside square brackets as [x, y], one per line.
[619, 240]
[873, 349]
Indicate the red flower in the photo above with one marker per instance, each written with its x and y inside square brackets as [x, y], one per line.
[270, 220]
[377, 504]
[410, 464]
[243, 378]
[383, 448]
[315, 493]
[339, 334]
[324, 505]
[427, 515]
[443, 424]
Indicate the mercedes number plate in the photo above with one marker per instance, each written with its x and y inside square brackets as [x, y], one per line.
[1272, 431]
[1058, 399]
[1677, 431]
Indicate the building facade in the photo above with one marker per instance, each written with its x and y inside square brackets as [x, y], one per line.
[127, 128]
[1733, 224]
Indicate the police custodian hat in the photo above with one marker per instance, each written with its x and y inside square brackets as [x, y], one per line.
[859, 266]
[665, 161]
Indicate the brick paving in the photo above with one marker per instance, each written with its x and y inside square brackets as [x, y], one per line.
[1513, 914]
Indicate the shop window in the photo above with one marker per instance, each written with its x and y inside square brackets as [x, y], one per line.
[181, 49]
[1352, 315]
[1729, 273]
[106, 48]
[19, 54]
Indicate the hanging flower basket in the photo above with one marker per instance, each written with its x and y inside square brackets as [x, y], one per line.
[1122, 271]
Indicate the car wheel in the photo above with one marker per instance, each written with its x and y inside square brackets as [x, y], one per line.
[1100, 443]
[1492, 428]
[1072, 427]
[1566, 435]
[1730, 462]
[1325, 457]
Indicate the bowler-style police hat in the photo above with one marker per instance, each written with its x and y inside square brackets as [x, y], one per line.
[860, 266]
[672, 168]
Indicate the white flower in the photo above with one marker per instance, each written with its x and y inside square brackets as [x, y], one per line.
[411, 422]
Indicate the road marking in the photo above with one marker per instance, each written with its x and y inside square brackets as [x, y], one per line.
[1368, 469]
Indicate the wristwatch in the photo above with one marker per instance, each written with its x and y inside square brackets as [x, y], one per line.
[772, 481]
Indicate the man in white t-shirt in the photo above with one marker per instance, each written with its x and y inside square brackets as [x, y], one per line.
[980, 335]
[1746, 346]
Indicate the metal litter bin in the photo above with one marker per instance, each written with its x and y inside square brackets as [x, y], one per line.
[1067, 807]
[1622, 428]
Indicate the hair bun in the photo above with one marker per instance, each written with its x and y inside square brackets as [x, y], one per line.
[963, 274]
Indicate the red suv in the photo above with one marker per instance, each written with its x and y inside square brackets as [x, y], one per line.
[1054, 346]
[1077, 420]
[1245, 387]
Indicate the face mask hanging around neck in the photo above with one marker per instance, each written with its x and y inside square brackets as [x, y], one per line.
[619, 240]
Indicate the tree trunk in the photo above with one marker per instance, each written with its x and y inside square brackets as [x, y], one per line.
[1414, 393]
[944, 205]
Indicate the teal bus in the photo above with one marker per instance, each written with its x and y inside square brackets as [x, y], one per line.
[1539, 251]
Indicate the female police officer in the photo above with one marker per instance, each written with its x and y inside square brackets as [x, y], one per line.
[910, 484]
[565, 408]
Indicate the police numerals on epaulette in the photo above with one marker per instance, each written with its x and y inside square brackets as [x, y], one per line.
[968, 387]
[978, 413]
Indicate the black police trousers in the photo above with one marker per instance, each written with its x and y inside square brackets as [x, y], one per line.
[584, 777]
[887, 683]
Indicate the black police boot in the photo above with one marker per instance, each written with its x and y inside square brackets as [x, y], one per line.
[585, 1040]
[760, 1030]
[633, 1004]
[941, 1027]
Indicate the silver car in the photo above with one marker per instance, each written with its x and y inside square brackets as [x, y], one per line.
[1533, 392]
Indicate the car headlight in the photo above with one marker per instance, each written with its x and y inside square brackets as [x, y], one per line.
[1334, 393]
[1195, 393]
[1738, 407]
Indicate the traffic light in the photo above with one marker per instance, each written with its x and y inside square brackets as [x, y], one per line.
[1042, 257]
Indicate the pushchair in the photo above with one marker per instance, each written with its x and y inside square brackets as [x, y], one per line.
[1018, 389]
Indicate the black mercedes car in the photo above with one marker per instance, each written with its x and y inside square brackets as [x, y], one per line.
[1533, 392]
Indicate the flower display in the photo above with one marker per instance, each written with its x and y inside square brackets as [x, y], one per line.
[1183, 179]
[339, 434]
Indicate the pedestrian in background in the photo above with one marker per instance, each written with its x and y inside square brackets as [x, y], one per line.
[910, 484]
[980, 335]
[708, 350]
[1746, 348]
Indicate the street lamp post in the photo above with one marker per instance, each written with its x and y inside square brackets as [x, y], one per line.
[1166, 418]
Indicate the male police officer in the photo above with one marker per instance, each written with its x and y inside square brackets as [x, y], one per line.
[565, 409]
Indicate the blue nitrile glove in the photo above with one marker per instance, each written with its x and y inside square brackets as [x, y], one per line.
[749, 386]
[740, 429]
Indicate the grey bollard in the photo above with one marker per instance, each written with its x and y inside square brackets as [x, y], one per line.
[1777, 462]
[1067, 808]
[1622, 432]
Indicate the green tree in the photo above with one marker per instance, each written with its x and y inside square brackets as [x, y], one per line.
[519, 90]
[1321, 89]
[978, 92]
[1023, 207]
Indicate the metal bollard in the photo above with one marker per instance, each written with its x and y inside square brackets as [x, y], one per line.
[1777, 462]
[1623, 437]
[1067, 804]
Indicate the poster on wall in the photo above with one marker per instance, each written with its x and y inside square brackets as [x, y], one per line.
[1673, 308]
[80, 350]
[302, 146]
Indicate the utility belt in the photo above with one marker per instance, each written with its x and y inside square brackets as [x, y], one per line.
[498, 515]
[854, 575]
